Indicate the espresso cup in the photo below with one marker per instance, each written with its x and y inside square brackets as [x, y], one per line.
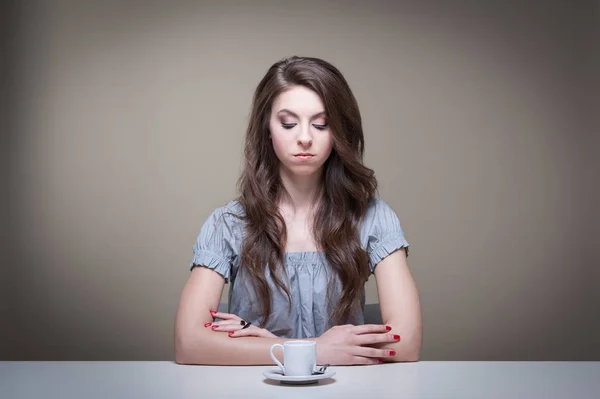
[299, 357]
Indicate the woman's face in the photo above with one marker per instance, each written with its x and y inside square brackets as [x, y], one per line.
[301, 137]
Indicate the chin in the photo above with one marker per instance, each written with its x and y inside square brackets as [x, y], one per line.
[304, 170]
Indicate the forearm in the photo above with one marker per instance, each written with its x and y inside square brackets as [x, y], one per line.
[208, 347]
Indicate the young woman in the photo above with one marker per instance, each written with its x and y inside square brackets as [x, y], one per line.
[300, 242]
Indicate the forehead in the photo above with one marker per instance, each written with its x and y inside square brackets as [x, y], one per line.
[300, 100]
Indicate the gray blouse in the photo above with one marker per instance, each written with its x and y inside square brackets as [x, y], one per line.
[218, 247]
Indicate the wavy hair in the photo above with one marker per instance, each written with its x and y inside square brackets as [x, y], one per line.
[348, 187]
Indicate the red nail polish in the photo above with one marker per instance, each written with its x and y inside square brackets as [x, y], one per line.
[380, 360]
[207, 324]
[212, 312]
[392, 353]
[230, 333]
[215, 327]
[388, 328]
[397, 337]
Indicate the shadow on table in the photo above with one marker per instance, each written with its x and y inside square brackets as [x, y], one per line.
[324, 381]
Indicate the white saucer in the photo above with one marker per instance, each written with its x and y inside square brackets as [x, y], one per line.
[276, 374]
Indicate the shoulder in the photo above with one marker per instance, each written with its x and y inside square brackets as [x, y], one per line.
[379, 212]
[217, 244]
[224, 221]
[233, 209]
[380, 222]
[230, 213]
[377, 203]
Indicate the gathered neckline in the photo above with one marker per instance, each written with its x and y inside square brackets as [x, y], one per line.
[303, 254]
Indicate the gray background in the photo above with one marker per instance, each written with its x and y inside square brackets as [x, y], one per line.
[122, 129]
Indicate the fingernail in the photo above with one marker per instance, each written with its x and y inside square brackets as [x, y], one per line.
[392, 353]
[207, 324]
[215, 327]
[212, 312]
[230, 333]
[380, 360]
[396, 337]
[388, 328]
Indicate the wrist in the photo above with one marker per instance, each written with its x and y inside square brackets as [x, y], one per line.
[320, 351]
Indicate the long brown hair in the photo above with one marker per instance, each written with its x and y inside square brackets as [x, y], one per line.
[348, 187]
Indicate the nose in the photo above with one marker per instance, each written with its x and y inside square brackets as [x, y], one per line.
[304, 137]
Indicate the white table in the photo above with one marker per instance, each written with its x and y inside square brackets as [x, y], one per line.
[548, 380]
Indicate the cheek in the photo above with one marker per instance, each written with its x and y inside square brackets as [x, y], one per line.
[278, 145]
[327, 144]
[278, 140]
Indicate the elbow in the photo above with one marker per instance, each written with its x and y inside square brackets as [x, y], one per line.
[413, 356]
[407, 356]
[413, 351]
[187, 350]
[410, 349]
[181, 358]
[409, 352]
[181, 354]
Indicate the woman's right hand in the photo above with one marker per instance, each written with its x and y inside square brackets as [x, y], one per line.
[349, 344]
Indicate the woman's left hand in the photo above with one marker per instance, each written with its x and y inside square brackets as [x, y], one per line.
[234, 326]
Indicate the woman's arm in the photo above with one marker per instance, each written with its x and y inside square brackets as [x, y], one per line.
[195, 344]
[400, 306]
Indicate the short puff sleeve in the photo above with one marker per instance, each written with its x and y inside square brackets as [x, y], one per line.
[383, 231]
[216, 245]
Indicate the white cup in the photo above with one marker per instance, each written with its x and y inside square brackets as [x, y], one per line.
[299, 357]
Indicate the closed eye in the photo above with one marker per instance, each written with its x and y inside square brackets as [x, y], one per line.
[292, 125]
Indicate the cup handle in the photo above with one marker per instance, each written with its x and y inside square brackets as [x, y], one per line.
[275, 359]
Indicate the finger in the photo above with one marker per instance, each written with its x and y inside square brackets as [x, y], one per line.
[371, 329]
[225, 316]
[370, 339]
[226, 326]
[227, 323]
[374, 353]
[251, 331]
[217, 324]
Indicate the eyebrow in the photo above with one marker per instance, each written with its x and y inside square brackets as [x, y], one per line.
[322, 113]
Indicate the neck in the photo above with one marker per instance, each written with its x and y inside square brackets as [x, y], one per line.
[302, 191]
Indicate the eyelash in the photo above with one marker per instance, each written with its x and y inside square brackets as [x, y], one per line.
[291, 125]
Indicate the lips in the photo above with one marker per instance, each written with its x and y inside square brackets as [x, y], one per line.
[304, 156]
